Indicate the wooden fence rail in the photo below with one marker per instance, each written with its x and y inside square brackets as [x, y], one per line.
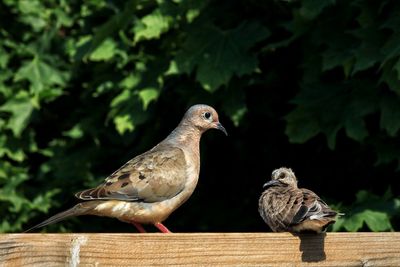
[200, 249]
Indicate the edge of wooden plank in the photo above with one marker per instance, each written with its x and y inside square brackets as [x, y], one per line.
[217, 249]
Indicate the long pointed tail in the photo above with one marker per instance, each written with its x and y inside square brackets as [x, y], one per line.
[79, 209]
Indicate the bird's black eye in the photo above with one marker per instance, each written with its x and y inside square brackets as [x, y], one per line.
[282, 175]
[207, 115]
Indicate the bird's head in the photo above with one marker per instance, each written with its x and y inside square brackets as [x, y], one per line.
[204, 117]
[283, 176]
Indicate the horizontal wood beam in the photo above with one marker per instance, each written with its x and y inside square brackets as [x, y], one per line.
[201, 249]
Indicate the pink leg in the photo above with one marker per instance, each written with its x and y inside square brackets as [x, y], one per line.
[162, 228]
[139, 227]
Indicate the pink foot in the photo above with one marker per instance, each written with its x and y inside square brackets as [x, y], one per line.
[162, 228]
[139, 227]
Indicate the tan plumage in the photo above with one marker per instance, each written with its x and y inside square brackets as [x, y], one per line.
[142, 179]
[148, 188]
[285, 207]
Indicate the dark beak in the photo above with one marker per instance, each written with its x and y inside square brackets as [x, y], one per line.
[219, 126]
[270, 183]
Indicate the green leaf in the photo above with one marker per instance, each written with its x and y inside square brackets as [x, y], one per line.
[127, 112]
[372, 210]
[12, 148]
[368, 53]
[75, 132]
[391, 48]
[14, 199]
[353, 223]
[151, 26]
[173, 68]
[130, 81]
[335, 58]
[105, 51]
[17, 207]
[21, 109]
[33, 14]
[218, 54]
[62, 17]
[300, 128]
[238, 115]
[40, 75]
[387, 151]
[116, 23]
[375, 220]
[390, 77]
[4, 58]
[390, 114]
[42, 202]
[121, 98]
[356, 129]
[30, 7]
[312, 8]
[147, 95]
[343, 106]
[192, 14]
[235, 105]
[124, 123]
[10, 178]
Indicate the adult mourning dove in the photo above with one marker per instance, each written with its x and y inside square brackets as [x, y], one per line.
[285, 207]
[149, 187]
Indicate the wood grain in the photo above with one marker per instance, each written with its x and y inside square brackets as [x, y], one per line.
[200, 249]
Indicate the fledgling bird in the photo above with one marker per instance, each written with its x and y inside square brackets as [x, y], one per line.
[285, 207]
[149, 187]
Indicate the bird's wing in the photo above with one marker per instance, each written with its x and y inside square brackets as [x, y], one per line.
[278, 206]
[291, 207]
[153, 176]
[311, 207]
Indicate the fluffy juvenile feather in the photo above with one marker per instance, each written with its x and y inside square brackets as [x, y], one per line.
[285, 207]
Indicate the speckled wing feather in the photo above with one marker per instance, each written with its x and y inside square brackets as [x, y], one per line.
[312, 207]
[153, 176]
[278, 206]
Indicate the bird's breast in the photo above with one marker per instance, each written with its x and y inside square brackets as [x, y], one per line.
[134, 211]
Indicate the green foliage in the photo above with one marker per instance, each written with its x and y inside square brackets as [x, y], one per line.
[371, 210]
[355, 96]
[84, 86]
[218, 54]
[344, 106]
[20, 108]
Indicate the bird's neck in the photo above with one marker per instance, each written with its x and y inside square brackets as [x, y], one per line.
[185, 136]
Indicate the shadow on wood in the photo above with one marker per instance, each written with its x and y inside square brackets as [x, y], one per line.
[312, 247]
